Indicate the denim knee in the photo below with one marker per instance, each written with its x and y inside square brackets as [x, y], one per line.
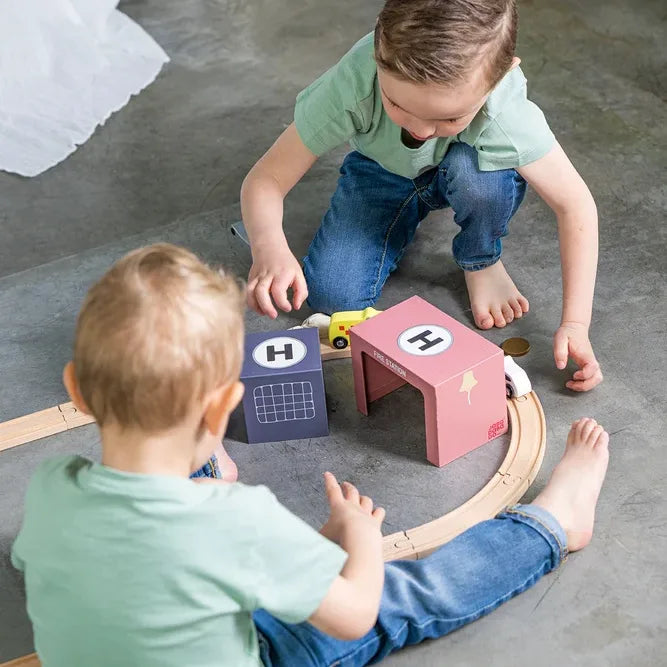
[483, 204]
[474, 189]
[330, 291]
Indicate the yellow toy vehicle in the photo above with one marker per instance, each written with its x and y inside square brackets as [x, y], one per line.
[339, 327]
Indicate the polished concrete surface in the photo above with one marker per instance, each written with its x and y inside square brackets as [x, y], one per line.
[169, 167]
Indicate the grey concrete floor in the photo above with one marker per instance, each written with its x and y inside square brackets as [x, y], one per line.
[169, 166]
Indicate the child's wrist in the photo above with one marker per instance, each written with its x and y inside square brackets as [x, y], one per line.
[578, 324]
[358, 532]
[269, 243]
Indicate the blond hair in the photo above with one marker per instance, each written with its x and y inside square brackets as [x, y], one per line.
[443, 41]
[155, 334]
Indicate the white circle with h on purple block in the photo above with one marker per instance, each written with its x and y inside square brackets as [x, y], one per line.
[425, 340]
[279, 352]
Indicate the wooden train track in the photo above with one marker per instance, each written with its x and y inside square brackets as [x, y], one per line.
[65, 416]
[41, 424]
[516, 473]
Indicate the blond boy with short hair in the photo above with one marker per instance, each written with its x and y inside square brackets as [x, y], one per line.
[435, 108]
[130, 562]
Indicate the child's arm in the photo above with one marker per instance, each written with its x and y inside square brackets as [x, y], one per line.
[351, 606]
[562, 188]
[274, 268]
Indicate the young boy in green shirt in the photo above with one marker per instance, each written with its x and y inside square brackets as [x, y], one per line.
[434, 105]
[130, 562]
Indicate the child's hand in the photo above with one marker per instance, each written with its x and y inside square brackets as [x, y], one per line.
[348, 509]
[273, 272]
[571, 341]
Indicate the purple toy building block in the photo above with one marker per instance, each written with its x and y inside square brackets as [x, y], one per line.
[284, 386]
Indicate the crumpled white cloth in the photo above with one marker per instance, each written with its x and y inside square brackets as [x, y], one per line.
[65, 67]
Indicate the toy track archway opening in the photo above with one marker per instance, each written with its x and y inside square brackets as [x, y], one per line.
[512, 479]
[516, 473]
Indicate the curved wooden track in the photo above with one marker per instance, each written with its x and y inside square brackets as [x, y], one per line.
[516, 473]
[26, 661]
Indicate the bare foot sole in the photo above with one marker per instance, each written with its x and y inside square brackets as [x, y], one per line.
[494, 298]
[572, 492]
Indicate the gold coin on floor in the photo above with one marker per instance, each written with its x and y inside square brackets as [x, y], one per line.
[515, 347]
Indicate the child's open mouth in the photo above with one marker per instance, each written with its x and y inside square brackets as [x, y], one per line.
[418, 138]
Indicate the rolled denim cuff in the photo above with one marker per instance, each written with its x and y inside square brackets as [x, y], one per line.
[210, 469]
[477, 266]
[545, 524]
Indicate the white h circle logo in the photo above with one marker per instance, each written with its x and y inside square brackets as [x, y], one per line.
[425, 340]
[279, 352]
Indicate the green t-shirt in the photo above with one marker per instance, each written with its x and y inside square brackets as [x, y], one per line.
[128, 570]
[344, 104]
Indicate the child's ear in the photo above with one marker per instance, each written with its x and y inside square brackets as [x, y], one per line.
[220, 405]
[515, 63]
[72, 386]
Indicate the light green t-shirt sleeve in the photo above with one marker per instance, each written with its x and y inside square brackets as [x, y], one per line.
[294, 565]
[16, 559]
[339, 104]
[511, 131]
[153, 569]
[34, 508]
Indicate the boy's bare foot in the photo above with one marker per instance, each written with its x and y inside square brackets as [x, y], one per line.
[494, 298]
[572, 492]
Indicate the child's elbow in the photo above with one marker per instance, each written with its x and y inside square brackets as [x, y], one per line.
[355, 626]
[259, 182]
[247, 185]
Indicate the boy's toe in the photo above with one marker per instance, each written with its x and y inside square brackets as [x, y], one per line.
[602, 439]
[498, 318]
[593, 436]
[578, 427]
[516, 308]
[587, 429]
[482, 317]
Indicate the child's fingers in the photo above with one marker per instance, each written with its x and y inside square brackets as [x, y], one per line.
[252, 301]
[250, 292]
[587, 384]
[263, 297]
[560, 350]
[279, 291]
[300, 290]
[350, 492]
[252, 282]
[588, 370]
[332, 489]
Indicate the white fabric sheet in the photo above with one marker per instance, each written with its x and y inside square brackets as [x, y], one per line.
[65, 67]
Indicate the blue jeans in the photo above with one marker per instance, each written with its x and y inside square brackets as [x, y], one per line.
[209, 469]
[424, 599]
[374, 215]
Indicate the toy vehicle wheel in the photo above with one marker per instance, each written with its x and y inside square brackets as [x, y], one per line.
[340, 343]
[516, 380]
